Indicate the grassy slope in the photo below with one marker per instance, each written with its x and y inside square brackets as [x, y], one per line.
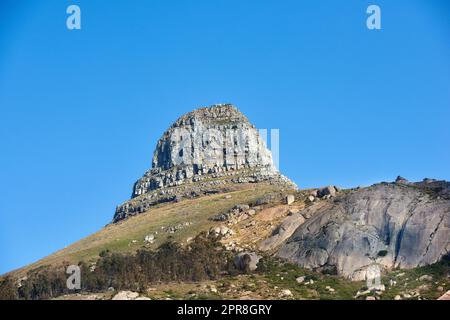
[119, 237]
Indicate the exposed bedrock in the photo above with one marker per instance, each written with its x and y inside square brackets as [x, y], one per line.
[391, 225]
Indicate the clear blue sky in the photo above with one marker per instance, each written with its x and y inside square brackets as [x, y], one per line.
[81, 111]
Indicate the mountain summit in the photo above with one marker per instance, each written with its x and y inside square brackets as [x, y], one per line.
[204, 151]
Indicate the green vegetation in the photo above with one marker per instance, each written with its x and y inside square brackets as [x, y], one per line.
[204, 259]
[282, 274]
[8, 289]
[409, 281]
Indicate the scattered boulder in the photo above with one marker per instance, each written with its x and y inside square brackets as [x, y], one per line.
[213, 289]
[267, 199]
[238, 213]
[177, 227]
[290, 199]
[327, 191]
[246, 261]
[362, 293]
[300, 279]
[222, 231]
[426, 278]
[314, 193]
[241, 207]
[233, 246]
[150, 238]
[251, 224]
[330, 289]
[423, 287]
[401, 180]
[285, 293]
[126, 295]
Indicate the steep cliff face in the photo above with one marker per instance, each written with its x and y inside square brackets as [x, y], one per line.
[391, 225]
[206, 141]
[202, 151]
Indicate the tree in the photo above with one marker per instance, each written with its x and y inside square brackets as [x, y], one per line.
[8, 290]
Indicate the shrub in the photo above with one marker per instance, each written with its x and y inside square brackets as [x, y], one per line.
[382, 253]
[203, 259]
[8, 290]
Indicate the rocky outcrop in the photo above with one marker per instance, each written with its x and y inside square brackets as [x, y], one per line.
[204, 151]
[388, 225]
[283, 232]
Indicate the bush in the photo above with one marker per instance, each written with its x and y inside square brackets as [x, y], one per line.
[43, 284]
[8, 290]
[203, 259]
[382, 253]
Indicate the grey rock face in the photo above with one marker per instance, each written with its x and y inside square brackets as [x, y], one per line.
[203, 149]
[283, 232]
[390, 225]
[206, 141]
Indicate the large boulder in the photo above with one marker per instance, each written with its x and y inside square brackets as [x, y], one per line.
[327, 191]
[391, 225]
[246, 261]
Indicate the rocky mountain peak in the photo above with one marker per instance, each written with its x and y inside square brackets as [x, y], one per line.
[211, 137]
[203, 151]
[215, 114]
